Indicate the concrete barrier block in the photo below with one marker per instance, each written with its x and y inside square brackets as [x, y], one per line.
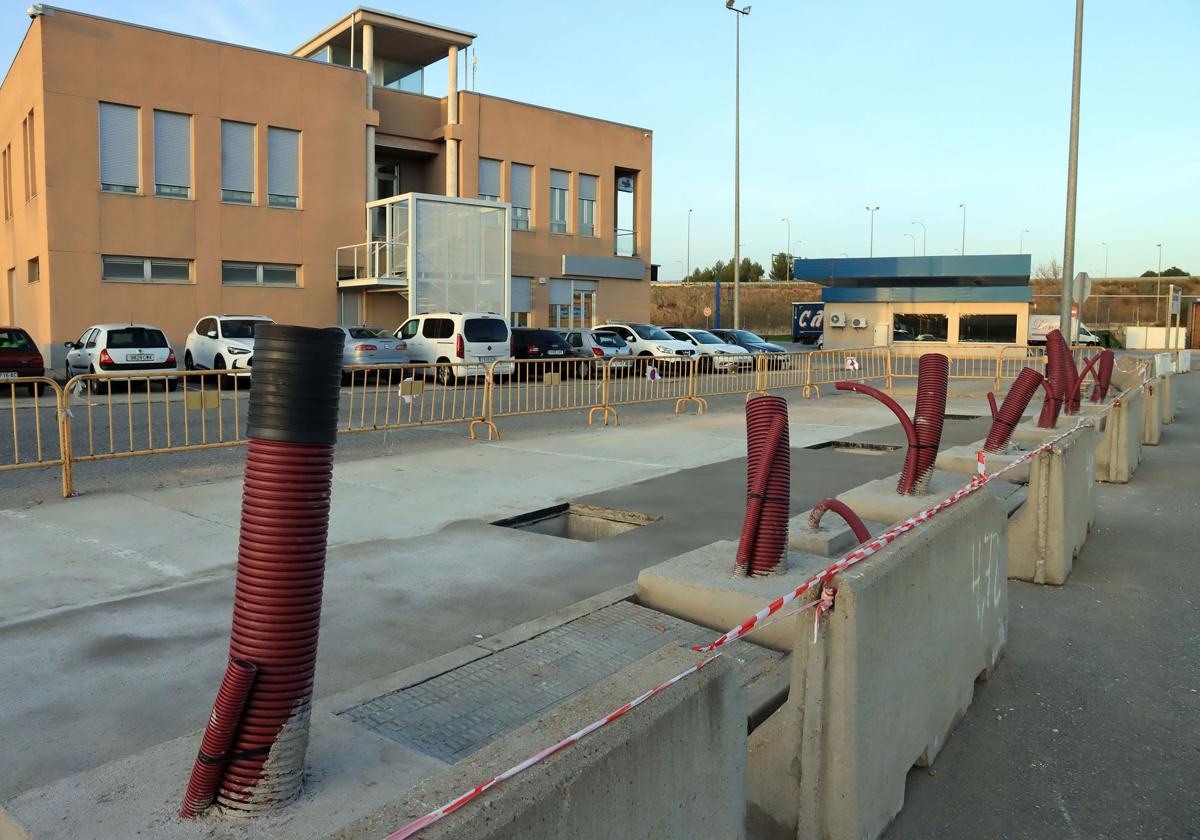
[701, 587]
[1120, 449]
[675, 768]
[1047, 532]
[878, 500]
[892, 673]
[1151, 413]
[1166, 394]
[963, 460]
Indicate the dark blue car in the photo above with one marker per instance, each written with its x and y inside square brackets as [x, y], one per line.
[755, 344]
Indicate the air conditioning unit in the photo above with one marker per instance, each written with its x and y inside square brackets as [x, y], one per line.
[835, 319]
[859, 323]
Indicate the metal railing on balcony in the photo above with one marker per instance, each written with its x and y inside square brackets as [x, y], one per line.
[371, 262]
[624, 242]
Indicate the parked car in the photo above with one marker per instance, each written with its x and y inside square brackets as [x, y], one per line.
[601, 344]
[122, 348]
[469, 341]
[549, 346]
[20, 358]
[223, 342]
[371, 346]
[649, 341]
[715, 354]
[755, 344]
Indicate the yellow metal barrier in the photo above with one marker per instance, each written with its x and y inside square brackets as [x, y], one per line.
[732, 374]
[863, 364]
[35, 420]
[540, 386]
[656, 379]
[407, 396]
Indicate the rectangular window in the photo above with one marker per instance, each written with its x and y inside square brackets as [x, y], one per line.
[27, 137]
[560, 191]
[172, 154]
[114, 269]
[587, 205]
[625, 235]
[522, 192]
[6, 174]
[118, 148]
[258, 274]
[237, 162]
[283, 167]
[909, 327]
[990, 329]
[489, 179]
[33, 271]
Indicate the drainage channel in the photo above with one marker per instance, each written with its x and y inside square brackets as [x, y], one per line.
[856, 447]
[575, 521]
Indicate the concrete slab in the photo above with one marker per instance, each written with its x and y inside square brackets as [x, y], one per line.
[700, 586]
[964, 460]
[878, 499]
[832, 538]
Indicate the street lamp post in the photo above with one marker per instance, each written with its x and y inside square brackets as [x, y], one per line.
[1158, 283]
[964, 228]
[787, 267]
[871, 210]
[681, 267]
[689, 244]
[914, 239]
[1105, 244]
[737, 160]
[924, 236]
[1068, 269]
[1021, 246]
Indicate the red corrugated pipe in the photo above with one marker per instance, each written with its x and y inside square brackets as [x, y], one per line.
[768, 487]
[843, 510]
[218, 735]
[291, 427]
[1050, 406]
[1103, 376]
[924, 431]
[1089, 367]
[1060, 372]
[1014, 405]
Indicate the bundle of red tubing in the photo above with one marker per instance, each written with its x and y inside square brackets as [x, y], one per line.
[218, 735]
[933, 371]
[1103, 376]
[768, 487]
[1005, 419]
[1060, 370]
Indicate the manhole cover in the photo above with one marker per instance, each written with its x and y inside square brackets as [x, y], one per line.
[574, 521]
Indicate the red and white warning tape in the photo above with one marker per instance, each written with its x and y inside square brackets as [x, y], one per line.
[768, 615]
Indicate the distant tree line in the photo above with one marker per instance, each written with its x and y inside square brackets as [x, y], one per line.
[1173, 271]
[1053, 271]
[749, 272]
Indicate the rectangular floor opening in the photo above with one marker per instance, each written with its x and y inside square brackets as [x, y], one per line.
[574, 521]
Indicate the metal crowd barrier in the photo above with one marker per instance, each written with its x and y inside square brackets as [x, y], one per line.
[98, 417]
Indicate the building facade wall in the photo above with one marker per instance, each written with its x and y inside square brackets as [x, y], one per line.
[88, 61]
[514, 132]
[882, 313]
[23, 222]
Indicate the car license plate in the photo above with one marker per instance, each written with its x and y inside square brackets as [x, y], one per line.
[8, 374]
[554, 352]
[139, 357]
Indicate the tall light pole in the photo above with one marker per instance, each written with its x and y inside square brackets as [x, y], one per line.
[963, 206]
[787, 268]
[1158, 282]
[737, 160]
[689, 244]
[681, 267]
[914, 239]
[871, 210]
[1105, 244]
[1021, 246]
[924, 236]
[1068, 270]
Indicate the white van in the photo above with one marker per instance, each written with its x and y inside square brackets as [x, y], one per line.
[476, 339]
[1041, 325]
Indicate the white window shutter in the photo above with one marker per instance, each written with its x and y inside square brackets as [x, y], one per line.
[118, 145]
[172, 149]
[283, 161]
[237, 156]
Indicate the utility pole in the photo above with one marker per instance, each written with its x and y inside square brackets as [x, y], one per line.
[737, 163]
[964, 228]
[1068, 270]
[924, 237]
[871, 246]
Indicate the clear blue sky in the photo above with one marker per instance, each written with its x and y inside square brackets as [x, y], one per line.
[916, 107]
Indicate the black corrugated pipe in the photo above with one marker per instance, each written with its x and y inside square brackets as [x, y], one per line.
[1014, 405]
[768, 487]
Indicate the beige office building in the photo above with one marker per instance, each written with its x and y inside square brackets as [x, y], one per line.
[158, 177]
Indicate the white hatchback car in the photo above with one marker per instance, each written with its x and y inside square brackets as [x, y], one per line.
[464, 344]
[649, 340]
[122, 348]
[223, 342]
[715, 354]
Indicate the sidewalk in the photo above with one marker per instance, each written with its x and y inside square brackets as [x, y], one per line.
[1090, 727]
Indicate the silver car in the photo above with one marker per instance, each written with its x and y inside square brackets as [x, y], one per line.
[366, 345]
[715, 354]
[602, 345]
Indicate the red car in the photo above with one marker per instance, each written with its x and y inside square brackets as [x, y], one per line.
[19, 357]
